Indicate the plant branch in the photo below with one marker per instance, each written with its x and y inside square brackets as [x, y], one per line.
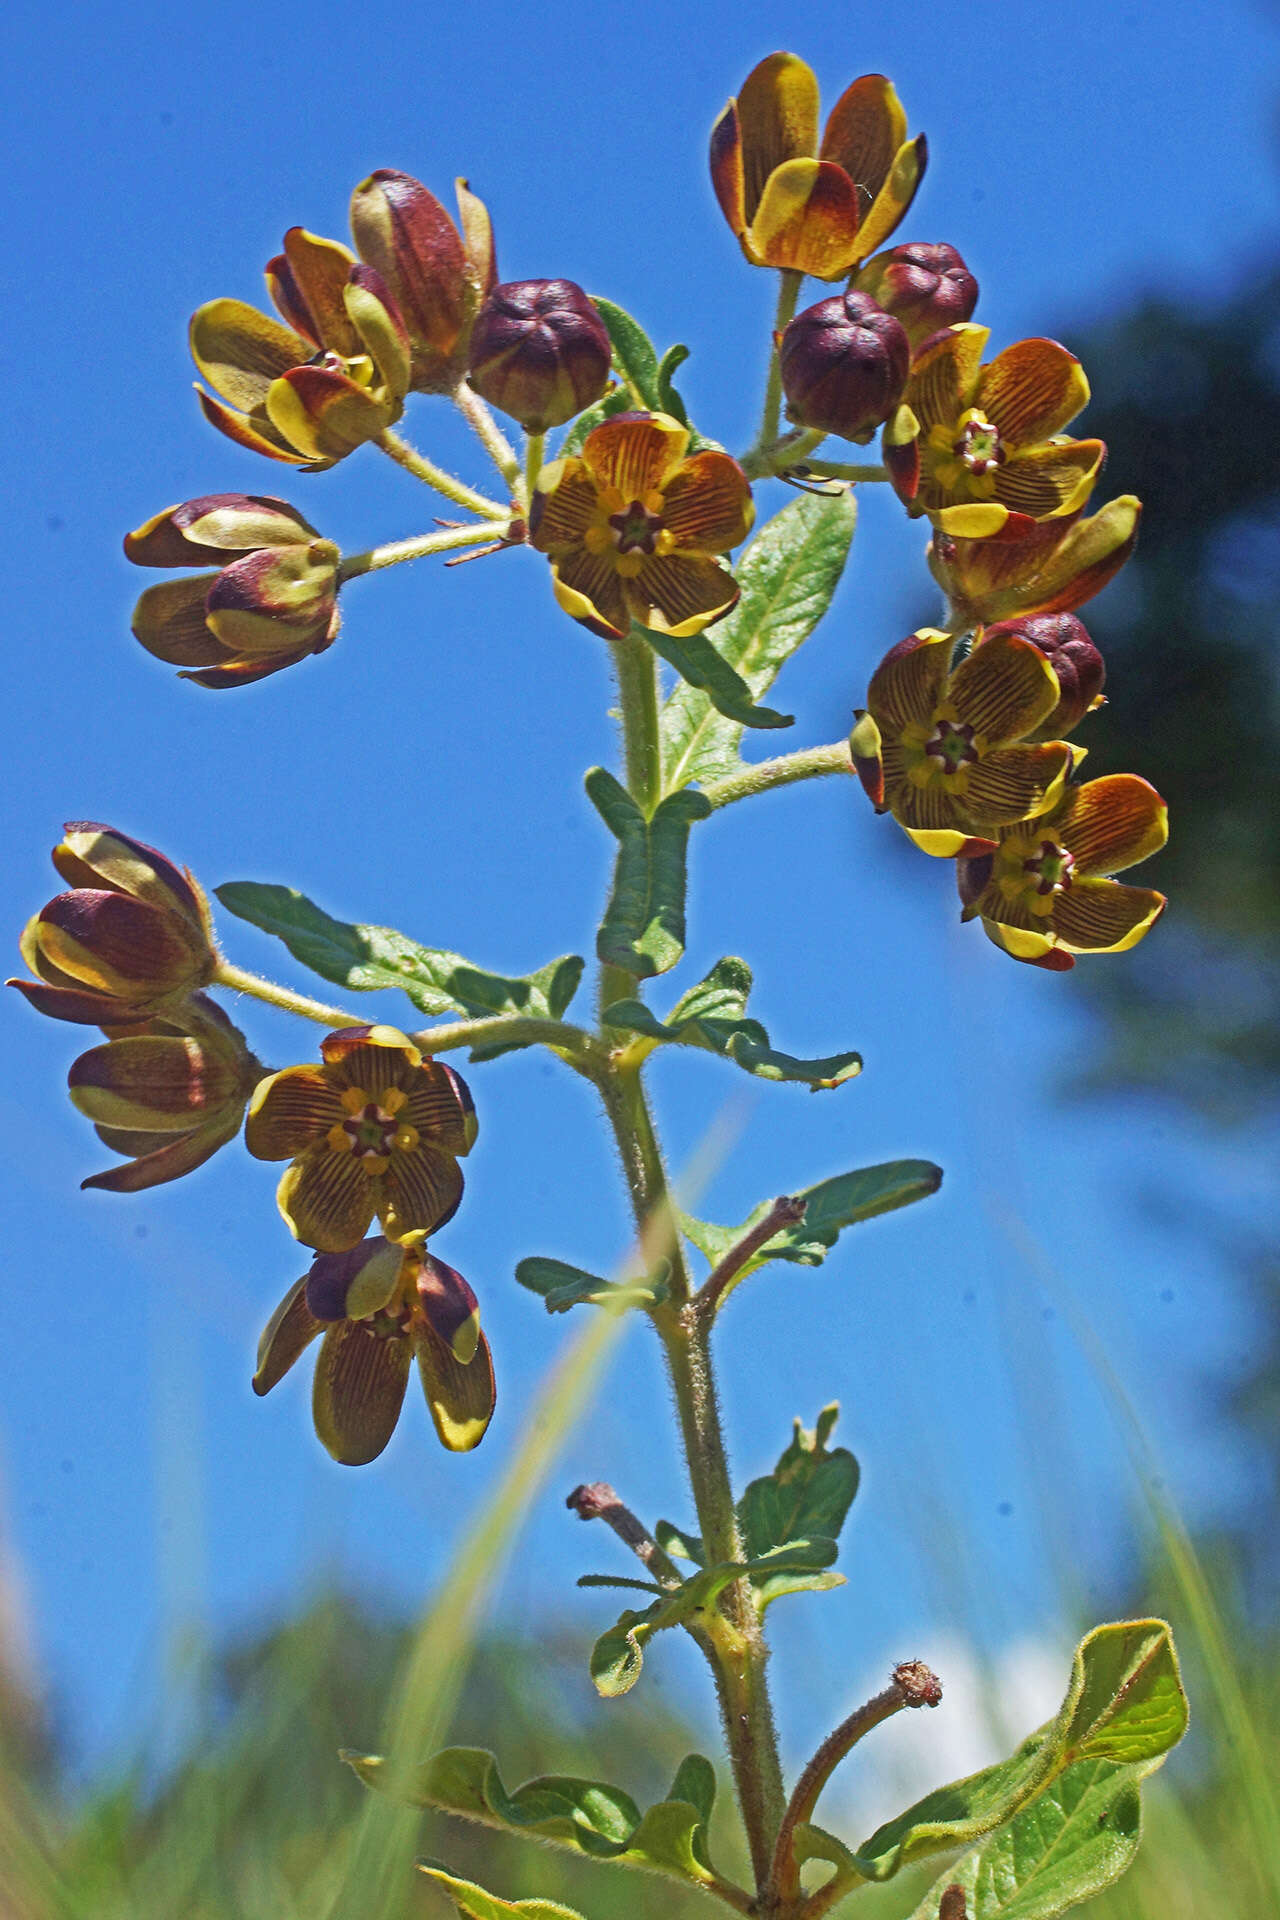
[420, 546]
[599, 1502]
[788, 297]
[433, 476]
[488, 432]
[842, 469]
[239, 980]
[574, 1044]
[810, 763]
[787, 1211]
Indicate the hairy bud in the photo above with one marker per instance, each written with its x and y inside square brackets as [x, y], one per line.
[844, 366]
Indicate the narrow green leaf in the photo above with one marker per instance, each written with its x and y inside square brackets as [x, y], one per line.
[1073, 1840]
[366, 958]
[1124, 1701]
[563, 1286]
[668, 399]
[788, 575]
[679, 1544]
[633, 354]
[617, 1580]
[808, 1493]
[643, 926]
[699, 664]
[473, 1902]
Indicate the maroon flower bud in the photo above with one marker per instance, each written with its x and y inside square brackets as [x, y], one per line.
[926, 288]
[539, 352]
[1081, 672]
[844, 366]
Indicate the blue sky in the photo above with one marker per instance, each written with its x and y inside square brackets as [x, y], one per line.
[426, 773]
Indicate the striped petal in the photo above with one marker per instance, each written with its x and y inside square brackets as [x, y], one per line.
[371, 1057]
[1049, 481]
[777, 120]
[1031, 390]
[944, 374]
[908, 683]
[1105, 916]
[1016, 783]
[422, 1190]
[289, 1111]
[1035, 948]
[241, 351]
[159, 1084]
[327, 1198]
[1004, 689]
[681, 593]
[589, 590]
[439, 1107]
[1112, 823]
[359, 1390]
[930, 809]
[291, 1328]
[637, 453]
[170, 621]
[707, 504]
[253, 431]
[460, 1398]
[564, 504]
[807, 220]
[864, 131]
[895, 196]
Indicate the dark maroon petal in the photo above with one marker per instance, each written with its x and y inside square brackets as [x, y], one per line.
[85, 1008]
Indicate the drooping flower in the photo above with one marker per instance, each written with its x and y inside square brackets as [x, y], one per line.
[130, 940]
[379, 1305]
[376, 1129]
[437, 273]
[1041, 892]
[980, 448]
[310, 392]
[272, 604]
[792, 203]
[844, 365]
[167, 1094]
[940, 748]
[924, 287]
[1057, 568]
[632, 528]
[539, 351]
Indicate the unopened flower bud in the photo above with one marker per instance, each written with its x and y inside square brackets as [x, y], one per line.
[844, 366]
[539, 352]
[925, 287]
[436, 272]
[1066, 645]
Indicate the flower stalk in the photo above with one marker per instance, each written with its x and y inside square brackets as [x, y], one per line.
[433, 476]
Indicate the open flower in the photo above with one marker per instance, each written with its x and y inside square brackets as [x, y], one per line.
[632, 528]
[377, 1129]
[1040, 892]
[380, 1305]
[167, 1095]
[273, 603]
[1061, 564]
[131, 939]
[978, 448]
[793, 203]
[311, 392]
[939, 748]
[437, 273]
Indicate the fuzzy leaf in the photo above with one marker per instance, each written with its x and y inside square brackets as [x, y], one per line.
[680, 1545]
[364, 958]
[809, 1492]
[788, 575]
[475, 1904]
[712, 1015]
[669, 400]
[583, 1816]
[1124, 1706]
[563, 1286]
[643, 926]
[633, 354]
[702, 666]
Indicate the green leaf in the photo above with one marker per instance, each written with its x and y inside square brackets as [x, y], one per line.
[830, 1207]
[701, 665]
[669, 400]
[678, 1544]
[365, 958]
[788, 575]
[643, 926]
[476, 1904]
[1071, 1841]
[563, 1286]
[619, 401]
[713, 1016]
[1124, 1705]
[633, 354]
[584, 1816]
[808, 1493]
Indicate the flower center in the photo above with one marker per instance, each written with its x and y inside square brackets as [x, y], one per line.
[635, 529]
[372, 1128]
[950, 746]
[1051, 868]
[978, 447]
[371, 1131]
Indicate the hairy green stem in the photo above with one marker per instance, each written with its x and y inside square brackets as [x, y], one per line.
[844, 469]
[804, 1800]
[433, 476]
[488, 433]
[393, 552]
[636, 666]
[763, 460]
[239, 980]
[810, 763]
[788, 297]
[532, 465]
[573, 1044]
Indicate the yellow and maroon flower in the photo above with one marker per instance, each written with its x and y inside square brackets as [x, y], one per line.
[377, 1129]
[379, 1305]
[1064, 641]
[167, 1094]
[437, 273]
[311, 392]
[632, 528]
[274, 603]
[939, 749]
[1061, 564]
[980, 448]
[792, 203]
[131, 939]
[1041, 892]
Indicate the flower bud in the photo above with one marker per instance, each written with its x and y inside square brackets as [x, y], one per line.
[924, 287]
[437, 273]
[844, 366]
[1066, 645]
[539, 352]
